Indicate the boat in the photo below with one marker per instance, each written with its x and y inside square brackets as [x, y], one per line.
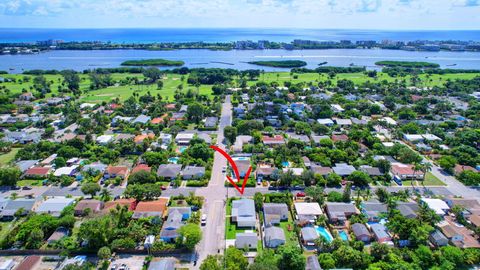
[323, 63]
[451, 65]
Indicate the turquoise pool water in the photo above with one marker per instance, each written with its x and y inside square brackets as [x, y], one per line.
[173, 160]
[285, 163]
[343, 235]
[323, 232]
[240, 158]
[182, 149]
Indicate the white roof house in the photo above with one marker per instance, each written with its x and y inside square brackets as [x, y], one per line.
[337, 108]
[184, 138]
[104, 139]
[440, 207]
[389, 120]
[413, 137]
[295, 171]
[54, 206]
[325, 121]
[308, 209]
[66, 171]
[431, 137]
[343, 122]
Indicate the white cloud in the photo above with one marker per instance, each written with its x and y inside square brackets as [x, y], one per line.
[242, 13]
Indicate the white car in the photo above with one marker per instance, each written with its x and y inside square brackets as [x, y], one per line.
[204, 219]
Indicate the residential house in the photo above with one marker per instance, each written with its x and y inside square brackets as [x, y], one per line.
[169, 171]
[408, 209]
[211, 122]
[95, 206]
[380, 233]
[264, 172]
[193, 172]
[325, 121]
[374, 210]
[361, 232]
[24, 165]
[274, 237]
[343, 122]
[243, 165]
[323, 171]
[129, 203]
[243, 213]
[141, 167]
[440, 207]
[339, 138]
[150, 208]
[163, 264]
[450, 231]
[274, 213]
[272, 141]
[308, 235]
[405, 171]
[312, 263]
[66, 171]
[308, 211]
[49, 160]
[338, 212]
[54, 206]
[58, 234]
[343, 169]
[246, 240]
[184, 138]
[104, 139]
[371, 171]
[438, 239]
[141, 119]
[471, 205]
[177, 116]
[240, 141]
[185, 211]
[117, 171]
[30, 262]
[37, 172]
[95, 167]
[10, 207]
[169, 232]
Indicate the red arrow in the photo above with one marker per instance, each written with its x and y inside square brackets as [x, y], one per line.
[235, 170]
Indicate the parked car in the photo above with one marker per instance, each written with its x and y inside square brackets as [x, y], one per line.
[204, 219]
[301, 194]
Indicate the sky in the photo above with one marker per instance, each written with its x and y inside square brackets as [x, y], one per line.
[316, 14]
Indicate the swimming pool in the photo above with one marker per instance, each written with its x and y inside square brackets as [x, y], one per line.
[285, 163]
[240, 158]
[343, 235]
[323, 232]
[182, 149]
[173, 160]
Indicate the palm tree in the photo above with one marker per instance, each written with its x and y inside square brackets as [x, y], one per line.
[105, 195]
[426, 167]
[367, 194]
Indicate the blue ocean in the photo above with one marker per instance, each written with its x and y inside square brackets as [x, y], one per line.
[133, 35]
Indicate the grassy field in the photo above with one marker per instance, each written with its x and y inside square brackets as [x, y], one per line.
[28, 182]
[5, 159]
[290, 235]
[173, 81]
[430, 180]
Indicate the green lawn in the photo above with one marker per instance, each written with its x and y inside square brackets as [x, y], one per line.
[359, 78]
[430, 180]
[172, 81]
[5, 159]
[27, 182]
[290, 235]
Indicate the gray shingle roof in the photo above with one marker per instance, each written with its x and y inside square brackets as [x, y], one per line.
[309, 234]
[169, 170]
[274, 233]
[360, 229]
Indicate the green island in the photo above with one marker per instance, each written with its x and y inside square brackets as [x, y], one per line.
[407, 64]
[153, 62]
[281, 64]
